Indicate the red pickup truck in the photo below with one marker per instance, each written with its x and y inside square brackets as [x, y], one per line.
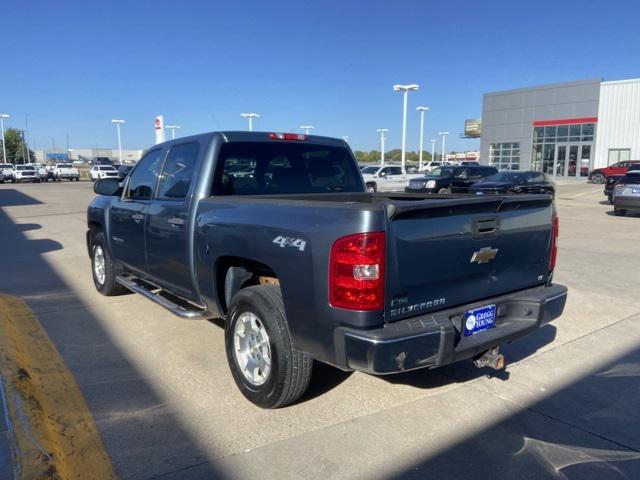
[599, 174]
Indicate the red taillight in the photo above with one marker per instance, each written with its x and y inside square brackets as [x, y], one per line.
[554, 243]
[356, 272]
[287, 136]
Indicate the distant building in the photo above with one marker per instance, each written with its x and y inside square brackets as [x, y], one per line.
[88, 154]
[563, 129]
[472, 155]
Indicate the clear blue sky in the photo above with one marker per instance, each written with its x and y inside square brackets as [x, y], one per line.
[72, 66]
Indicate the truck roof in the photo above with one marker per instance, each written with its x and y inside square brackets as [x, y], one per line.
[244, 136]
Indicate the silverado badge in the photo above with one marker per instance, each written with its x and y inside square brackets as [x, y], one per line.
[484, 255]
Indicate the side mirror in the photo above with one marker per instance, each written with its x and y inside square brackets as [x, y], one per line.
[107, 186]
[382, 174]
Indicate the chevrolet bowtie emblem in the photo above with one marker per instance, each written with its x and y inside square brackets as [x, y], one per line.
[484, 255]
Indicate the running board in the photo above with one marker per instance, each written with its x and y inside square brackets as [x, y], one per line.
[176, 305]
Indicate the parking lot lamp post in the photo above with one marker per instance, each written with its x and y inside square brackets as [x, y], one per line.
[405, 89]
[4, 149]
[250, 117]
[444, 136]
[421, 110]
[118, 123]
[173, 130]
[382, 131]
[307, 128]
[433, 149]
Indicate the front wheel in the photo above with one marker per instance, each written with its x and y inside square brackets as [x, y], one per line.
[598, 178]
[444, 191]
[267, 368]
[619, 212]
[104, 269]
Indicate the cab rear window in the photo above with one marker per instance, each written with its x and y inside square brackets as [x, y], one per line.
[265, 168]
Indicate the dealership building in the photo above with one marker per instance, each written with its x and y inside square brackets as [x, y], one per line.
[563, 129]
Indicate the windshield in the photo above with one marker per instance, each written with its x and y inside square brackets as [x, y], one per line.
[370, 170]
[263, 168]
[108, 169]
[24, 167]
[505, 177]
[441, 172]
[64, 165]
[6, 165]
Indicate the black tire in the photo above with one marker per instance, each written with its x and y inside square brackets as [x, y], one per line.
[445, 191]
[598, 178]
[619, 212]
[109, 287]
[610, 198]
[290, 369]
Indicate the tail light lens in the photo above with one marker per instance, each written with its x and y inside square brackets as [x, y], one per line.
[554, 243]
[356, 272]
[287, 136]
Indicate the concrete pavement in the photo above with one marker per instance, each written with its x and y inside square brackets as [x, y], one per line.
[166, 406]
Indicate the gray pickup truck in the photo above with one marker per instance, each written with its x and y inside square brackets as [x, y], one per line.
[276, 234]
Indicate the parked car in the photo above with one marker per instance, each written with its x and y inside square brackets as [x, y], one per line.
[25, 173]
[515, 182]
[599, 175]
[66, 171]
[466, 163]
[427, 167]
[611, 180]
[103, 171]
[387, 178]
[40, 170]
[304, 265]
[6, 171]
[446, 180]
[626, 195]
[123, 171]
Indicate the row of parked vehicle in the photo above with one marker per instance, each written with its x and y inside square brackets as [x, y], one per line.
[37, 172]
[466, 178]
[622, 189]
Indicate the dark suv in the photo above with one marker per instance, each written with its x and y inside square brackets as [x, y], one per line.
[450, 179]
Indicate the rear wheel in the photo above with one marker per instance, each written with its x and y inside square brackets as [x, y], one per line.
[598, 178]
[104, 269]
[267, 368]
[619, 212]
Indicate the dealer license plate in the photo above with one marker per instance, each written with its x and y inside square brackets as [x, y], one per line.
[635, 190]
[479, 319]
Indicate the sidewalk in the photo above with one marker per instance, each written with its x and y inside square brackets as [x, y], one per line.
[7, 461]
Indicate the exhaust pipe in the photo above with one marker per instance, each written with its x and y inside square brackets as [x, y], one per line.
[491, 358]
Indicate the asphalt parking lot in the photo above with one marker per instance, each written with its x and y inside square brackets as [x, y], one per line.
[166, 406]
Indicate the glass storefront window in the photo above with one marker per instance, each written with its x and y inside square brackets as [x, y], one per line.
[538, 134]
[563, 133]
[574, 133]
[548, 155]
[505, 156]
[549, 132]
[587, 131]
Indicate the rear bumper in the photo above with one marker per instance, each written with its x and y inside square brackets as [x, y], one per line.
[435, 339]
[626, 203]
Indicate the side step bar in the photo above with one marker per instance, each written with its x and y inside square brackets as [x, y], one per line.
[176, 305]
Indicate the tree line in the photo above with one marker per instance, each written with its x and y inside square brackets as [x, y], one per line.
[16, 148]
[395, 155]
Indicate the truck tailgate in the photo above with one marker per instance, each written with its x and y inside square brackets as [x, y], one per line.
[443, 253]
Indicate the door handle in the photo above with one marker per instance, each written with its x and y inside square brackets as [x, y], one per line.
[137, 217]
[175, 221]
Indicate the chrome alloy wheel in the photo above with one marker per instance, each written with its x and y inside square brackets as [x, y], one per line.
[251, 349]
[99, 264]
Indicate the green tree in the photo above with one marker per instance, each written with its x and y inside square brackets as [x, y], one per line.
[16, 147]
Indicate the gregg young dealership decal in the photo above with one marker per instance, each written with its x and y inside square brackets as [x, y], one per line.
[283, 241]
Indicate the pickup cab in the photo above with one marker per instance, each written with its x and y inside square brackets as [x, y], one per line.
[387, 178]
[65, 171]
[276, 234]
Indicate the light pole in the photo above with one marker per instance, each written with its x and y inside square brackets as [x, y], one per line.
[421, 110]
[173, 130]
[118, 123]
[382, 131]
[433, 149]
[4, 149]
[249, 116]
[444, 136]
[405, 91]
[307, 128]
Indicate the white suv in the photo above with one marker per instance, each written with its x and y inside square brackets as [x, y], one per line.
[103, 171]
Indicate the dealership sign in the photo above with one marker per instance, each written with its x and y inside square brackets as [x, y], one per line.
[473, 127]
[159, 126]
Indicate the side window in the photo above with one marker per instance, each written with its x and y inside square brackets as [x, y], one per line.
[395, 171]
[142, 181]
[536, 178]
[177, 172]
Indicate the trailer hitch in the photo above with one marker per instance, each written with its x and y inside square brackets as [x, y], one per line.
[491, 358]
